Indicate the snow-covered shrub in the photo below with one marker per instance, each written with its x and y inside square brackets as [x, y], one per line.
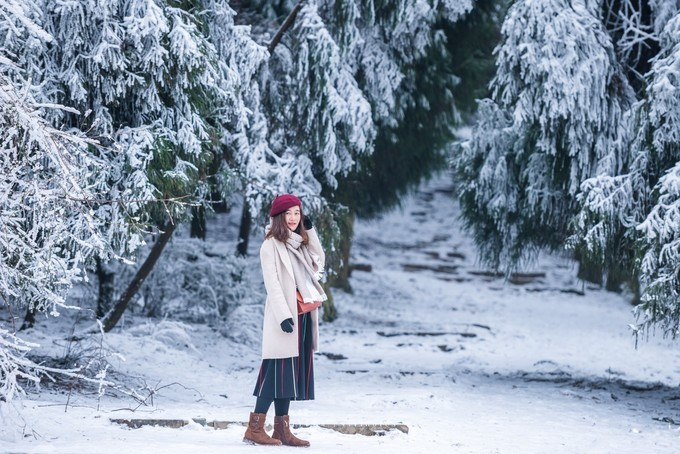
[170, 333]
[19, 367]
[51, 224]
[244, 324]
[14, 366]
[195, 280]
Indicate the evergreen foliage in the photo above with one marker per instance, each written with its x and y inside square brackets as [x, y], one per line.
[112, 113]
[407, 153]
[353, 86]
[471, 43]
[635, 206]
[579, 145]
[560, 90]
[47, 231]
[117, 115]
[49, 176]
[424, 104]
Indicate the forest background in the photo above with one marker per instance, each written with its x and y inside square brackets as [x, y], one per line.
[126, 123]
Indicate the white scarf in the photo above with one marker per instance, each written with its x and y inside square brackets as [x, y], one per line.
[306, 277]
[304, 269]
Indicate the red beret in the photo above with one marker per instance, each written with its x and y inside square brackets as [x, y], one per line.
[282, 202]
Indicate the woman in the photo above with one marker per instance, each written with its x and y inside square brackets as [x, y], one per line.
[292, 261]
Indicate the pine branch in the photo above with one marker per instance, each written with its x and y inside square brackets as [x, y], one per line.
[284, 27]
[177, 199]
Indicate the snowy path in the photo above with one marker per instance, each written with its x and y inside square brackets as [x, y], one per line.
[513, 368]
[470, 363]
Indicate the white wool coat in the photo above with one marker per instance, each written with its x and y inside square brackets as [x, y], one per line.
[277, 271]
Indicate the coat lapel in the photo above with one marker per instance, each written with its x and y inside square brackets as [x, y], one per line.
[285, 258]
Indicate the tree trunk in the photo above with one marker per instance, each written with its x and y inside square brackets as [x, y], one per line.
[330, 313]
[29, 320]
[634, 283]
[588, 270]
[618, 277]
[342, 269]
[198, 222]
[105, 278]
[338, 260]
[114, 315]
[244, 230]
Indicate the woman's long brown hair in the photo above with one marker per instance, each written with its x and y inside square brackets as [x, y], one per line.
[281, 232]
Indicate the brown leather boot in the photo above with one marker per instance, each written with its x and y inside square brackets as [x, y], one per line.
[282, 432]
[255, 433]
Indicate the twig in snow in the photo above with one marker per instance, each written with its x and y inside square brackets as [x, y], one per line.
[151, 393]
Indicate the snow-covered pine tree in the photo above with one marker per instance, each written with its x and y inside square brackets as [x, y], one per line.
[344, 69]
[382, 41]
[340, 61]
[48, 231]
[660, 263]
[311, 121]
[51, 176]
[558, 105]
[129, 63]
[564, 146]
[660, 266]
[630, 214]
[47, 175]
[151, 78]
[400, 53]
[404, 65]
[317, 114]
[163, 83]
[240, 59]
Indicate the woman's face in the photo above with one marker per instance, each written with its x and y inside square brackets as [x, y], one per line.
[293, 217]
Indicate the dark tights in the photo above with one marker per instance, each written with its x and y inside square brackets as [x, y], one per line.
[280, 405]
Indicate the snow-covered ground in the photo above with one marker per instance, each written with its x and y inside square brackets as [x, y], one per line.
[469, 362]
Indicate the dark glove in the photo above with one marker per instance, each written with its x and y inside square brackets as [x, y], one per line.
[307, 222]
[287, 325]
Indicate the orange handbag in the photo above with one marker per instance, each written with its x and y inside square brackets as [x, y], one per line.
[303, 307]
